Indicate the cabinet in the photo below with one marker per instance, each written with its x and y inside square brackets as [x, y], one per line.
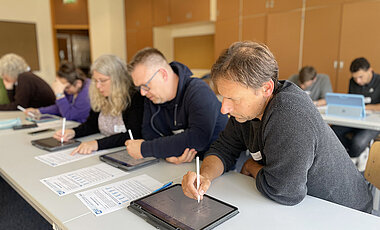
[226, 33]
[321, 40]
[283, 39]
[161, 12]
[360, 37]
[183, 11]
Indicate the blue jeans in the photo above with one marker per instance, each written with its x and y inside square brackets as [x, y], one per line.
[354, 140]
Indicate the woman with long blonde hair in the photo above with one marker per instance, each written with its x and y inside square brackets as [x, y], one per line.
[115, 107]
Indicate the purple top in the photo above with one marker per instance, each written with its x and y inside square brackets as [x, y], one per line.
[75, 110]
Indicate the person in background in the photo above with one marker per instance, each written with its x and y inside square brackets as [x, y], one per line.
[294, 152]
[316, 85]
[71, 92]
[182, 114]
[365, 82]
[3, 94]
[116, 107]
[23, 87]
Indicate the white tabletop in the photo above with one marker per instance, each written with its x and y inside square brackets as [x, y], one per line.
[23, 172]
[371, 121]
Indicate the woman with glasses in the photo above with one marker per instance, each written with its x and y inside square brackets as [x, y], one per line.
[115, 107]
[71, 92]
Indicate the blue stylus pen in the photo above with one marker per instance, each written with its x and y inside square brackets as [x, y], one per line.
[164, 186]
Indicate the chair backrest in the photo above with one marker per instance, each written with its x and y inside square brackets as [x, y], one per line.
[372, 170]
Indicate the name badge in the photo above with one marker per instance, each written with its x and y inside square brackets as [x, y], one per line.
[178, 131]
[256, 156]
[367, 100]
[119, 129]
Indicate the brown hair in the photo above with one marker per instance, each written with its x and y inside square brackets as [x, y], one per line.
[307, 73]
[248, 63]
[68, 71]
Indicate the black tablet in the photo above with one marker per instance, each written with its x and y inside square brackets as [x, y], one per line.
[121, 159]
[171, 209]
[50, 144]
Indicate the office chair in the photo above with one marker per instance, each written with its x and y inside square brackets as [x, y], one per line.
[372, 172]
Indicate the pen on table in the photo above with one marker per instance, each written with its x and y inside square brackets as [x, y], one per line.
[63, 128]
[197, 162]
[130, 134]
[164, 186]
[23, 110]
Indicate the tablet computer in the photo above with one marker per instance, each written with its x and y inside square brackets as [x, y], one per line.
[121, 159]
[345, 105]
[43, 118]
[50, 144]
[171, 209]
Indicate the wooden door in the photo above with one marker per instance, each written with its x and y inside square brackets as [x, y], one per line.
[182, 11]
[281, 5]
[252, 7]
[138, 13]
[227, 9]
[254, 28]
[226, 32]
[321, 40]
[360, 38]
[283, 39]
[161, 12]
[138, 39]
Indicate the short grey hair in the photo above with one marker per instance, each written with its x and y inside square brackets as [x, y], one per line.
[150, 57]
[12, 65]
[248, 63]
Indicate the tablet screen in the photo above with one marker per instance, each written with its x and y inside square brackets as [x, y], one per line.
[122, 157]
[182, 212]
[50, 142]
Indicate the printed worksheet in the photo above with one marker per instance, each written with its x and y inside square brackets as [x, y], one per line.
[115, 196]
[83, 178]
[63, 157]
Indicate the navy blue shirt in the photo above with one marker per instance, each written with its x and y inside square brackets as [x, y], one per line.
[370, 91]
[191, 120]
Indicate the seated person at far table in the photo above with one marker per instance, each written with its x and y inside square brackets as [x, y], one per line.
[294, 152]
[3, 94]
[24, 88]
[365, 82]
[181, 114]
[115, 107]
[71, 92]
[316, 85]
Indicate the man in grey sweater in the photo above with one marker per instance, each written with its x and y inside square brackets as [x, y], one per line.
[294, 152]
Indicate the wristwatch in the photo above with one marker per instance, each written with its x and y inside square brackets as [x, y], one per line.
[59, 95]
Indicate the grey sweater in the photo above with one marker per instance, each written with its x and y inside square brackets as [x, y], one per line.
[300, 153]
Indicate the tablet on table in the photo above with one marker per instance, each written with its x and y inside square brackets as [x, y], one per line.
[50, 144]
[121, 159]
[171, 209]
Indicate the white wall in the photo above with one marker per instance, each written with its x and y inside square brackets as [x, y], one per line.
[34, 11]
[107, 28]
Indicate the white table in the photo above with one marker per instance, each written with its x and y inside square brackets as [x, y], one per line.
[371, 121]
[23, 172]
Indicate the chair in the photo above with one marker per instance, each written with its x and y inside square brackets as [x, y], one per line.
[372, 172]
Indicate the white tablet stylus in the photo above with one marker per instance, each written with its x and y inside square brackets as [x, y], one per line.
[63, 128]
[23, 110]
[130, 134]
[197, 162]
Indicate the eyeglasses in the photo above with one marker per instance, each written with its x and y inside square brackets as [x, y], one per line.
[101, 81]
[145, 86]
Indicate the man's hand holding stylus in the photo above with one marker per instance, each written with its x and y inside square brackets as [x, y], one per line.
[189, 184]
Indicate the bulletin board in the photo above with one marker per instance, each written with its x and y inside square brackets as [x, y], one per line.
[21, 39]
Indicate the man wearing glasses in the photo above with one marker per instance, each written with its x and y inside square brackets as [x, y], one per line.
[182, 116]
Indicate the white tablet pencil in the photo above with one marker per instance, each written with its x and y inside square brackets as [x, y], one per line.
[23, 110]
[197, 162]
[63, 128]
[130, 134]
